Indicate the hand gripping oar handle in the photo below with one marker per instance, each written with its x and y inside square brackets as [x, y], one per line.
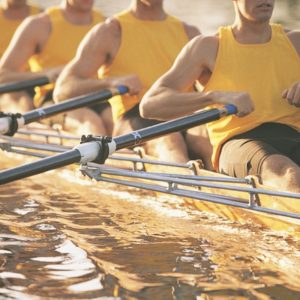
[23, 85]
[100, 148]
[9, 123]
[140, 136]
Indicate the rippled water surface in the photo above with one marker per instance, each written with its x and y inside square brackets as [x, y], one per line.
[67, 238]
[63, 237]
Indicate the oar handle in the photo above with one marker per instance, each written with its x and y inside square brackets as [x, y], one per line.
[231, 109]
[23, 84]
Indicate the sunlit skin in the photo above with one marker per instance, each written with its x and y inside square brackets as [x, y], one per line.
[31, 37]
[15, 9]
[14, 3]
[252, 17]
[80, 5]
[168, 98]
[149, 9]
[257, 11]
[80, 75]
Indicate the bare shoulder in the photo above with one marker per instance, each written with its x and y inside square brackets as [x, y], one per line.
[191, 30]
[39, 22]
[109, 28]
[292, 34]
[102, 42]
[294, 37]
[202, 43]
[33, 32]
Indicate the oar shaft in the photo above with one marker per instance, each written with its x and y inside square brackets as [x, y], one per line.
[99, 150]
[23, 85]
[143, 135]
[9, 123]
[72, 104]
[82, 153]
[40, 166]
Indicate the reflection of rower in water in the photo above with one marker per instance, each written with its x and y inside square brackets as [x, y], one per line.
[48, 41]
[256, 66]
[12, 13]
[140, 45]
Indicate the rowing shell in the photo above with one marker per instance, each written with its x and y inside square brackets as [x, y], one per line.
[242, 200]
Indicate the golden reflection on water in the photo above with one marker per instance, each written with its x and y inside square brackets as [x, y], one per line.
[83, 241]
[59, 241]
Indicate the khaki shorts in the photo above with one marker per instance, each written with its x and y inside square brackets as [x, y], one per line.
[244, 154]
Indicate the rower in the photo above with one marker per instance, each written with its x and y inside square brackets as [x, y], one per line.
[141, 43]
[47, 42]
[12, 13]
[255, 66]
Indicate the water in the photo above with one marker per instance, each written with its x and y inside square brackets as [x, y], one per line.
[88, 241]
[60, 240]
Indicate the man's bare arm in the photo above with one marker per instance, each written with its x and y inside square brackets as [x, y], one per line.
[170, 98]
[292, 94]
[29, 38]
[97, 49]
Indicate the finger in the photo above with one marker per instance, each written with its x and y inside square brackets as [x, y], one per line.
[290, 95]
[284, 94]
[296, 99]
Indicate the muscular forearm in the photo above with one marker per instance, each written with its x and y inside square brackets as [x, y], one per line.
[163, 103]
[72, 86]
[11, 76]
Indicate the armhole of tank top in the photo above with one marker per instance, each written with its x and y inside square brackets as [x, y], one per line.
[217, 62]
[97, 17]
[291, 46]
[121, 35]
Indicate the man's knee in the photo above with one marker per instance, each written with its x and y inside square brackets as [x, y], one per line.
[282, 166]
[281, 172]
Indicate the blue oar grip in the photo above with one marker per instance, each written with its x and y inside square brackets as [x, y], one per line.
[231, 109]
[122, 89]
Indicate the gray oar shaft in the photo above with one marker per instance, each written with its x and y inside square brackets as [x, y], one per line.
[143, 135]
[68, 105]
[46, 164]
[97, 150]
[8, 126]
[23, 85]
[82, 153]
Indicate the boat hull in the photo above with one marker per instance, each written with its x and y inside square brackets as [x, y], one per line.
[236, 201]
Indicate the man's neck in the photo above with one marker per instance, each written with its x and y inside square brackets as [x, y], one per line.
[76, 16]
[17, 12]
[143, 11]
[248, 32]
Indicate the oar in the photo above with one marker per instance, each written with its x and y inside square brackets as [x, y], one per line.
[99, 149]
[9, 123]
[23, 84]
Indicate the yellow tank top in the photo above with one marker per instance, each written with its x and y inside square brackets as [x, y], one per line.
[61, 46]
[262, 70]
[148, 49]
[9, 26]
